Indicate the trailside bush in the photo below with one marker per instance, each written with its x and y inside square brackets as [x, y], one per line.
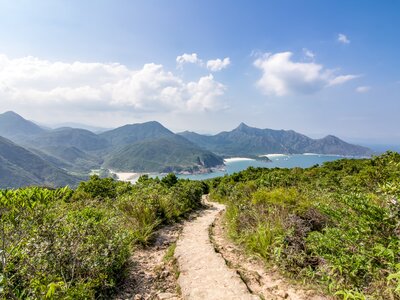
[64, 244]
[337, 225]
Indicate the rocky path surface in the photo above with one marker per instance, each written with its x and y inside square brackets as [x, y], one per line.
[203, 272]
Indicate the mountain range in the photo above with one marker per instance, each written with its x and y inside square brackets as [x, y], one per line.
[249, 141]
[34, 155]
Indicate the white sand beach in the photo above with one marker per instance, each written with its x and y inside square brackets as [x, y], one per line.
[233, 159]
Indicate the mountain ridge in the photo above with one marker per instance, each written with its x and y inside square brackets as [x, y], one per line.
[246, 140]
[146, 147]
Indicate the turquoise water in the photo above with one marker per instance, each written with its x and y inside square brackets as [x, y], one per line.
[281, 161]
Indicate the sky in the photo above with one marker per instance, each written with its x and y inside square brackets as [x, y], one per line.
[317, 67]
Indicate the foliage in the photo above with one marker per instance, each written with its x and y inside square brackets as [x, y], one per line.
[337, 225]
[65, 244]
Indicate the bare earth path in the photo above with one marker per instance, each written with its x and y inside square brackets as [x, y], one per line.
[203, 272]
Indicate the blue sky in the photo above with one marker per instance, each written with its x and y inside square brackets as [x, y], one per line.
[317, 67]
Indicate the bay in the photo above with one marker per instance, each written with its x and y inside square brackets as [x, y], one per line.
[277, 161]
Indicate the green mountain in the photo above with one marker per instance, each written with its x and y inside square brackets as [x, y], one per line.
[21, 167]
[250, 141]
[150, 147]
[15, 127]
[133, 133]
[164, 154]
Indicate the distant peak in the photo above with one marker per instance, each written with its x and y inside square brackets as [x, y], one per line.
[10, 113]
[331, 137]
[243, 126]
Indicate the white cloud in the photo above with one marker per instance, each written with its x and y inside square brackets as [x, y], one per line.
[341, 79]
[308, 53]
[32, 82]
[218, 64]
[188, 58]
[282, 76]
[341, 38]
[363, 89]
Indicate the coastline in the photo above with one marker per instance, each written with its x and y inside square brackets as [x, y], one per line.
[236, 164]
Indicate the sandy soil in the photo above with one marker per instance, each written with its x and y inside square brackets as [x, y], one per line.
[203, 272]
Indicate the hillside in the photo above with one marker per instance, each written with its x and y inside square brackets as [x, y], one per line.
[249, 141]
[164, 154]
[21, 167]
[132, 133]
[335, 226]
[82, 139]
[15, 127]
[150, 147]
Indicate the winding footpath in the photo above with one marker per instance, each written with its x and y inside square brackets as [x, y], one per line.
[203, 272]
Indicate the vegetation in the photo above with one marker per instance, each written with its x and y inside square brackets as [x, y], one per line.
[74, 244]
[337, 225]
[21, 167]
[172, 154]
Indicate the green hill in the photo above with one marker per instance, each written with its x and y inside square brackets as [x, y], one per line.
[166, 154]
[250, 141]
[133, 133]
[15, 127]
[150, 147]
[21, 167]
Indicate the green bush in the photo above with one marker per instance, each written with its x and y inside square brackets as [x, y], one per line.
[64, 244]
[337, 225]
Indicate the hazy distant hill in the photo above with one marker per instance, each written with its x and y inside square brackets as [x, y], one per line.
[15, 127]
[150, 147]
[82, 139]
[71, 146]
[245, 141]
[21, 167]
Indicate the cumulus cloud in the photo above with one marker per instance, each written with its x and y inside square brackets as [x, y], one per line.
[188, 58]
[363, 89]
[218, 64]
[30, 81]
[341, 38]
[282, 76]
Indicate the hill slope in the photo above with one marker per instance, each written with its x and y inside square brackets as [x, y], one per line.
[133, 133]
[15, 127]
[150, 147]
[82, 139]
[250, 141]
[21, 167]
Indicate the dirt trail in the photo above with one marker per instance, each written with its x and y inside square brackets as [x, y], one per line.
[203, 272]
[262, 281]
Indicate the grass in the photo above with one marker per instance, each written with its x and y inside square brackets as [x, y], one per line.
[337, 226]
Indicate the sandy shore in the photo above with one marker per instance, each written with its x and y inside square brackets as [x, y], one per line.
[127, 176]
[274, 155]
[233, 159]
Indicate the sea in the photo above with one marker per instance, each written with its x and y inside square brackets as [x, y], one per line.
[233, 165]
